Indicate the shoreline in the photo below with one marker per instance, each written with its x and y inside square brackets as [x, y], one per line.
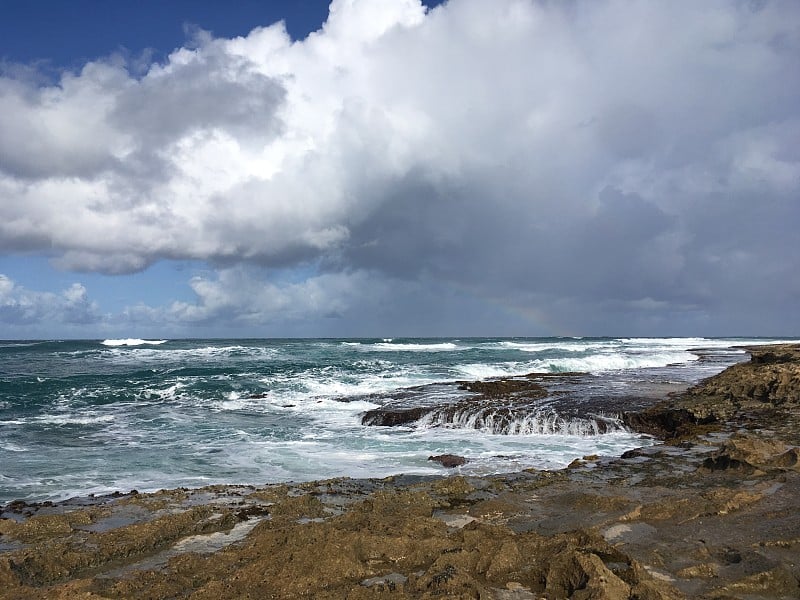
[711, 511]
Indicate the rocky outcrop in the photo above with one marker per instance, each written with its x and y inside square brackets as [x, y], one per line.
[515, 393]
[770, 378]
[665, 422]
[764, 392]
[506, 388]
[503, 406]
[390, 544]
[393, 417]
[449, 460]
[747, 451]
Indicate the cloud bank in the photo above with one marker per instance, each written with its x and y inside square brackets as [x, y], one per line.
[72, 307]
[611, 164]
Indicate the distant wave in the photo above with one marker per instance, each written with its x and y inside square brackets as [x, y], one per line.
[614, 362]
[414, 347]
[569, 346]
[387, 346]
[133, 342]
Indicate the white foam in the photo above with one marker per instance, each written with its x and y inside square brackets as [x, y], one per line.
[389, 345]
[486, 370]
[74, 419]
[182, 357]
[699, 342]
[567, 346]
[394, 347]
[171, 392]
[132, 342]
[689, 342]
[599, 363]
[337, 385]
[11, 447]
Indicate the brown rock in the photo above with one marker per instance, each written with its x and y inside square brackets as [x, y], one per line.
[747, 450]
[584, 576]
[501, 388]
[449, 460]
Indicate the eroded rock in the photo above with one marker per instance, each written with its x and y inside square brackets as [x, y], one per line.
[754, 452]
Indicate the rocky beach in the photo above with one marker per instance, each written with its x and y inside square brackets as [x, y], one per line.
[709, 512]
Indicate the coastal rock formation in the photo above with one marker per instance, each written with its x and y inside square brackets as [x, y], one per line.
[743, 451]
[712, 514]
[505, 406]
[386, 417]
[513, 392]
[761, 392]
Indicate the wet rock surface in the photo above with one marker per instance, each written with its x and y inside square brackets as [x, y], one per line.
[710, 513]
[515, 405]
[449, 460]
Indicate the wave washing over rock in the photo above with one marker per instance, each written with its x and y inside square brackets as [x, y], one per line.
[97, 416]
[711, 512]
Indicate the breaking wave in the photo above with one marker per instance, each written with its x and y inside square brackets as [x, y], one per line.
[388, 346]
[599, 363]
[132, 342]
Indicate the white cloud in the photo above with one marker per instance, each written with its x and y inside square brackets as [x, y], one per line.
[236, 295]
[477, 144]
[20, 306]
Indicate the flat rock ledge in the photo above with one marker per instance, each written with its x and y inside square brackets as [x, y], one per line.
[713, 512]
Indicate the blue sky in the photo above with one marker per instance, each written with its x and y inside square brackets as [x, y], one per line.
[388, 168]
[68, 34]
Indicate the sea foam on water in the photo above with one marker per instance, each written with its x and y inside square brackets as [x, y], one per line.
[78, 416]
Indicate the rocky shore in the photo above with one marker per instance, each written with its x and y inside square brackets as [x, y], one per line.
[711, 512]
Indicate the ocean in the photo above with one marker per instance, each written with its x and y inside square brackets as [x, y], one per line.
[97, 416]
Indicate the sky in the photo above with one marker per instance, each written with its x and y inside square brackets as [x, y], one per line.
[387, 168]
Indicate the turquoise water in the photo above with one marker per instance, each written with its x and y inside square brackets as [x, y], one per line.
[80, 417]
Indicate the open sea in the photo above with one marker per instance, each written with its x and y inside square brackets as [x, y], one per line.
[81, 417]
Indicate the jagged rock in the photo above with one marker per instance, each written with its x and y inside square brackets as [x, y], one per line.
[771, 377]
[759, 391]
[756, 452]
[665, 422]
[582, 577]
[392, 417]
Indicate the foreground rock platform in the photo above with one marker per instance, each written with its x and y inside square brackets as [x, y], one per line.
[712, 512]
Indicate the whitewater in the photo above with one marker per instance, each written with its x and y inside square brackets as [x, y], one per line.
[96, 416]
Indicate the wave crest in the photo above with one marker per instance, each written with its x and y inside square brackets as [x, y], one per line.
[132, 342]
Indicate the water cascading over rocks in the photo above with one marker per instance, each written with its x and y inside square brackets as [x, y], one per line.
[511, 406]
